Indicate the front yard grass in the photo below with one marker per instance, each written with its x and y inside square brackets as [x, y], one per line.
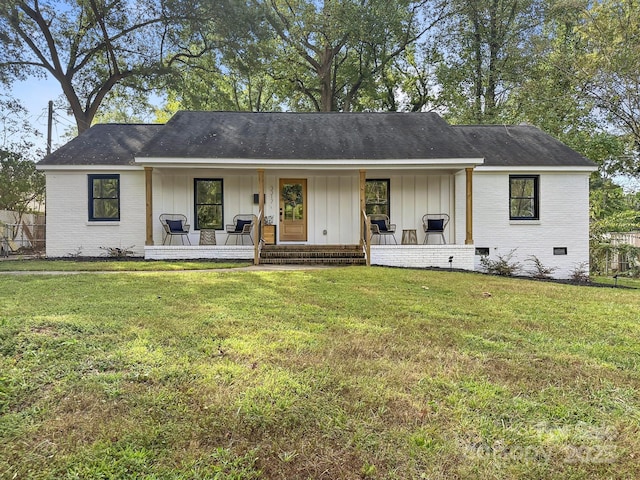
[340, 373]
[110, 265]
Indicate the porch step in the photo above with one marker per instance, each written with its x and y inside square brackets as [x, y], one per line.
[312, 254]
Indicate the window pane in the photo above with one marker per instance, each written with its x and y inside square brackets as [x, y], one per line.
[376, 196]
[522, 187]
[105, 188]
[208, 203]
[522, 207]
[523, 201]
[210, 216]
[104, 193]
[105, 208]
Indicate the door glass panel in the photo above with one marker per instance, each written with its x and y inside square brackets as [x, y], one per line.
[293, 201]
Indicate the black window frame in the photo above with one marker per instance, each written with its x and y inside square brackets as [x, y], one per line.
[102, 176]
[535, 197]
[387, 203]
[196, 220]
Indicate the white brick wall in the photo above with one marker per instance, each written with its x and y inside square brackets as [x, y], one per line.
[218, 252]
[564, 220]
[68, 228]
[422, 256]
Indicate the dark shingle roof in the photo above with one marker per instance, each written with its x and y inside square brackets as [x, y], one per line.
[106, 144]
[308, 136]
[521, 145]
[318, 136]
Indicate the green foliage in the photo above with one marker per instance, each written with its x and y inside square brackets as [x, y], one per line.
[608, 68]
[20, 183]
[607, 251]
[92, 47]
[606, 199]
[487, 54]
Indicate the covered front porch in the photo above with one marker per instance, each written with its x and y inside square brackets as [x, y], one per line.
[333, 206]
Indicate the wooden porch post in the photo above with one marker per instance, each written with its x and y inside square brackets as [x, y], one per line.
[363, 181]
[148, 186]
[258, 228]
[469, 210]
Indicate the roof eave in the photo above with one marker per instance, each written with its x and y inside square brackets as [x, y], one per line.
[111, 168]
[537, 168]
[310, 164]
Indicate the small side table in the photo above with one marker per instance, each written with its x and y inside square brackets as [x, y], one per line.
[269, 234]
[207, 236]
[409, 237]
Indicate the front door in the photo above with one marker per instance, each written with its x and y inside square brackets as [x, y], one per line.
[293, 210]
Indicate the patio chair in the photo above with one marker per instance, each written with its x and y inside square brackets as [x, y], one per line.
[174, 224]
[381, 227]
[434, 224]
[242, 226]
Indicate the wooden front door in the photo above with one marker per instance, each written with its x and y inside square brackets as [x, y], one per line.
[293, 210]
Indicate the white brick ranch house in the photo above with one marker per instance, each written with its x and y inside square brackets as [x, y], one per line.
[504, 188]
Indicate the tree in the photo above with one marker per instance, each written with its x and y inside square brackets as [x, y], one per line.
[330, 51]
[90, 46]
[486, 51]
[20, 184]
[608, 68]
[15, 130]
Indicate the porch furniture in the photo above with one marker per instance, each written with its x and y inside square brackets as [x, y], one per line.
[409, 237]
[174, 224]
[207, 236]
[241, 227]
[434, 224]
[381, 227]
[269, 234]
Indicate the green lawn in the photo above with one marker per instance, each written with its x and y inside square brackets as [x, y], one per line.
[337, 373]
[111, 265]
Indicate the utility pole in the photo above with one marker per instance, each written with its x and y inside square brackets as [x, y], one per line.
[49, 124]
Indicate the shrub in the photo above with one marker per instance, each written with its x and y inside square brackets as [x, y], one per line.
[580, 273]
[539, 270]
[504, 265]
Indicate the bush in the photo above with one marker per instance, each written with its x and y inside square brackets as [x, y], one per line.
[580, 273]
[539, 270]
[504, 265]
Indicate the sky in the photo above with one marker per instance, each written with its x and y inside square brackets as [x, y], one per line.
[34, 94]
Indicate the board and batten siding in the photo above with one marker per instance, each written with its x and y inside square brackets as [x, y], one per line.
[332, 200]
[564, 221]
[69, 231]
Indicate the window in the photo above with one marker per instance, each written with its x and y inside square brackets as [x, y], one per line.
[482, 251]
[376, 196]
[523, 197]
[104, 197]
[208, 203]
[559, 250]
